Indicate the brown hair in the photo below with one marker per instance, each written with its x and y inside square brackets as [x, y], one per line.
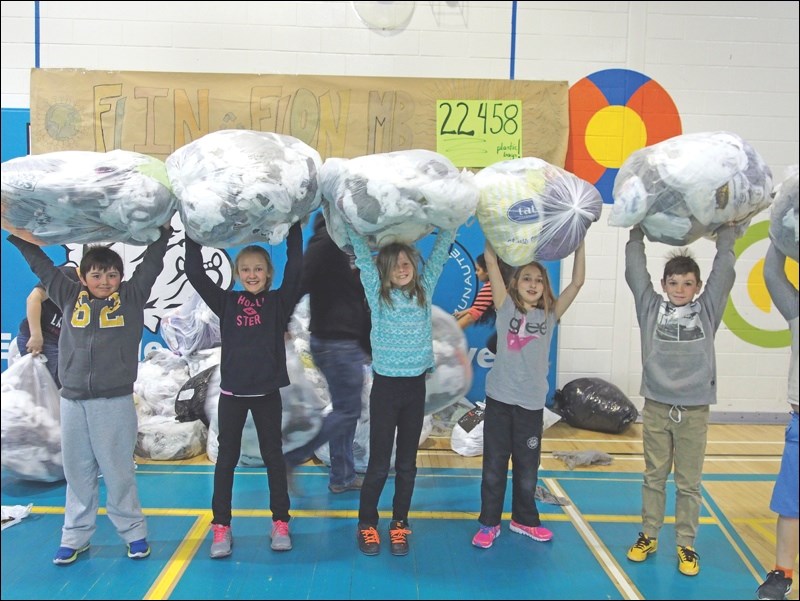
[386, 261]
[546, 302]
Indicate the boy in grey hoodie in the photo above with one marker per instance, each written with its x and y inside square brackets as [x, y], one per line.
[679, 376]
[101, 329]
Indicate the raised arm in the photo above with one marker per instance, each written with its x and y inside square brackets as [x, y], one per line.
[499, 291]
[569, 293]
[148, 270]
[636, 274]
[723, 274]
[438, 257]
[211, 294]
[293, 272]
[781, 290]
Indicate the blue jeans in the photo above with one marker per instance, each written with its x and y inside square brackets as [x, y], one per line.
[342, 363]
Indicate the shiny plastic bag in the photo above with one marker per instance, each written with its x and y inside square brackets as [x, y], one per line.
[31, 421]
[784, 226]
[594, 404]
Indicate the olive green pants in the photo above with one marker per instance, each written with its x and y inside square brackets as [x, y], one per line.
[673, 436]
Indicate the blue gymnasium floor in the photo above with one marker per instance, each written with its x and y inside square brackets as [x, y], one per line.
[585, 559]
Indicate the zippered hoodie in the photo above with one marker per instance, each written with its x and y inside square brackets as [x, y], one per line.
[99, 345]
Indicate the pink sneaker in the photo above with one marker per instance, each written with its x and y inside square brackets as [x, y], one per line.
[485, 536]
[539, 533]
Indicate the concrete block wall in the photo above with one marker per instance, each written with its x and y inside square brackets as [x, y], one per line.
[727, 66]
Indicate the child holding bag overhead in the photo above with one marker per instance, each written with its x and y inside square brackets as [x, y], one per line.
[516, 390]
[252, 370]
[399, 295]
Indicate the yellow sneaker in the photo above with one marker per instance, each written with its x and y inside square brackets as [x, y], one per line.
[688, 561]
[642, 548]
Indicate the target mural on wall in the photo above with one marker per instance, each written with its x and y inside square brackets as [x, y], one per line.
[613, 113]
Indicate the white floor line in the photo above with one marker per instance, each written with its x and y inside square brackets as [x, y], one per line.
[599, 549]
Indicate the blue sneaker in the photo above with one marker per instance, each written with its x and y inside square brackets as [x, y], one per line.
[66, 555]
[138, 549]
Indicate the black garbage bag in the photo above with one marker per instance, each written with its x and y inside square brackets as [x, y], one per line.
[191, 398]
[594, 404]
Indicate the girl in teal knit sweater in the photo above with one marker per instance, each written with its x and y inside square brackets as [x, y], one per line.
[399, 294]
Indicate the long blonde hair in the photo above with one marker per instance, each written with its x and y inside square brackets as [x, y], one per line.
[386, 261]
[260, 252]
[546, 302]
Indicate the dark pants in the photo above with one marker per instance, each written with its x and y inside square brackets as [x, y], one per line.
[509, 431]
[232, 414]
[342, 364]
[396, 405]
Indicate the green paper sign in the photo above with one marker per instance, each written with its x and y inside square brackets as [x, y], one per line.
[478, 133]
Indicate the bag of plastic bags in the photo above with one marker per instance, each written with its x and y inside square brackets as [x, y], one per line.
[688, 186]
[83, 197]
[783, 226]
[238, 186]
[594, 404]
[531, 210]
[396, 196]
[31, 421]
[191, 327]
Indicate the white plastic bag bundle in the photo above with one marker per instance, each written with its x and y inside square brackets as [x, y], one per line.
[238, 186]
[531, 210]
[783, 226]
[190, 327]
[82, 197]
[159, 378]
[688, 186]
[162, 438]
[452, 377]
[396, 196]
[30, 421]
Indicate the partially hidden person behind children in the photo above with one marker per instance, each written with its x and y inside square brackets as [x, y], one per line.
[252, 323]
[679, 383]
[784, 500]
[399, 292]
[103, 320]
[40, 329]
[339, 341]
[516, 390]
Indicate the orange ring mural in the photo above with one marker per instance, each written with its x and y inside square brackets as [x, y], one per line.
[613, 113]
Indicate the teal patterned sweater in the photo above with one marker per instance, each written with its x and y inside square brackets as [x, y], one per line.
[402, 336]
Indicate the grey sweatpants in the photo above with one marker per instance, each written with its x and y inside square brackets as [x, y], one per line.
[98, 436]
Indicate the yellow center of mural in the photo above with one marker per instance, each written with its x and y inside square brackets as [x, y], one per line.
[756, 288]
[613, 133]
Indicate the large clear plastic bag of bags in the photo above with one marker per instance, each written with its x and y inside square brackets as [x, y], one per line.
[396, 196]
[238, 186]
[162, 438]
[31, 421]
[190, 327]
[594, 404]
[531, 210]
[686, 187]
[452, 377]
[83, 197]
[783, 226]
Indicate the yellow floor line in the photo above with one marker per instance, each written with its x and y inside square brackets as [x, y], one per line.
[173, 571]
